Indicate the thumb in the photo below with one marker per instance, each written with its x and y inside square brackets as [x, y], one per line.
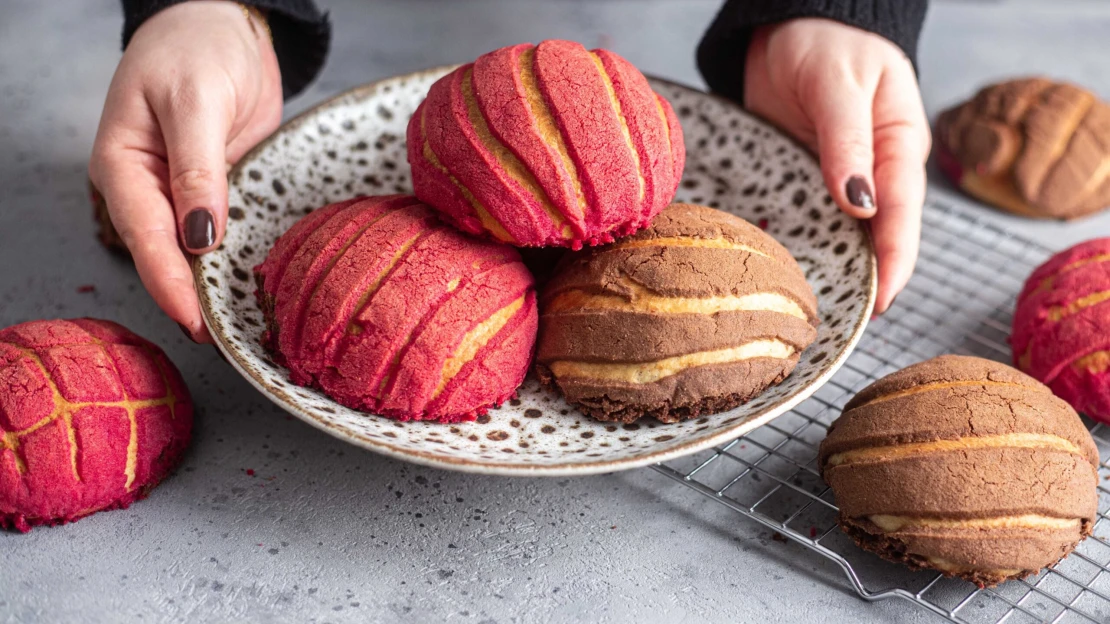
[842, 119]
[196, 134]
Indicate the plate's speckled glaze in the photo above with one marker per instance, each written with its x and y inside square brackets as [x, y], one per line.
[354, 144]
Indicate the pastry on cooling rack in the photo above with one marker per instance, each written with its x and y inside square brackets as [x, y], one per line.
[92, 417]
[385, 308]
[1032, 146]
[546, 145]
[963, 465]
[697, 314]
[1061, 332]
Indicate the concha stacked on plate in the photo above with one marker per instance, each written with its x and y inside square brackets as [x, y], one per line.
[385, 308]
[546, 145]
[696, 314]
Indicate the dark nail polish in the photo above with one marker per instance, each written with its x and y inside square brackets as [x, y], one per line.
[185, 330]
[200, 229]
[859, 193]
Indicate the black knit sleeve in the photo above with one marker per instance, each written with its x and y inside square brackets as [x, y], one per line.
[724, 46]
[302, 35]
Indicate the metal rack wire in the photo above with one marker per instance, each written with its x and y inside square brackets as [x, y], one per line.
[960, 300]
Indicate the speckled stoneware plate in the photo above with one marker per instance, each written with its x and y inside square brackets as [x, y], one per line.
[355, 144]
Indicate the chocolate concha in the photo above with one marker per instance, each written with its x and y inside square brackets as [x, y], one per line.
[963, 465]
[697, 314]
[1032, 146]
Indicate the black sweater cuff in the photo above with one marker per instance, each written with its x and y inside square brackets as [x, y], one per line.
[724, 47]
[301, 35]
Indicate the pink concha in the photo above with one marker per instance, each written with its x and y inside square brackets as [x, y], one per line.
[1061, 330]
[548, 145]
[92, 417]
[386, 309]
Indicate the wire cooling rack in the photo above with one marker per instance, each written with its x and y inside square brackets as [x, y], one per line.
[960, 300]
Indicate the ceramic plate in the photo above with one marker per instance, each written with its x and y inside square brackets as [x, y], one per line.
[355, 144]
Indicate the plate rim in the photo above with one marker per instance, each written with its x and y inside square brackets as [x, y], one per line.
[500, 468]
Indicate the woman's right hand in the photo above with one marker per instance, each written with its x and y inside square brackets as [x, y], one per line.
[197, 87]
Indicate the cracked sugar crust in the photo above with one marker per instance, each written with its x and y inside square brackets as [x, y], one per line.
[92, 417]
[1031, 146]
[970, 455]
[952, 397]
[702, 311]
[1061, 326]
[681, 255]
[546, 145]
[384, 308]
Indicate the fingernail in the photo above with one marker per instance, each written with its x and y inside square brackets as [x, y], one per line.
[200, 229]
[859, 193]
[188, 334]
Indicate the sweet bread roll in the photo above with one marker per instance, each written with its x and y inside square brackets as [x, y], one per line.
[546, 145]
[387, 309]
[1061, 332]
[92, 418]
[694, 315]
[1032, 146]
[963, 465]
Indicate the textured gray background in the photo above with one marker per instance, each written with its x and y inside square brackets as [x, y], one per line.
[327, 532]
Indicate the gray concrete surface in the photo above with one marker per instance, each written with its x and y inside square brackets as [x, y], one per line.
[325, 532]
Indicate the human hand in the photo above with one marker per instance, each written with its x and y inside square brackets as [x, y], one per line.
[852, 98]
[197, 87]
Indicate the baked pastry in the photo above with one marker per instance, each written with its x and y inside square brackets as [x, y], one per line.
[385, 308]
[1061, 332]
[548, 145]
[965, 466]
[92, 417]
[696, 314]
[1032, 146]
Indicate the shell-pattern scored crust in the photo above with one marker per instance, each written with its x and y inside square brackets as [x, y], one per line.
[1031, 146]
[1061, 327]
[963, 465]
[389, 310]
[698, 313]
[546, 145]
[92, 417]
